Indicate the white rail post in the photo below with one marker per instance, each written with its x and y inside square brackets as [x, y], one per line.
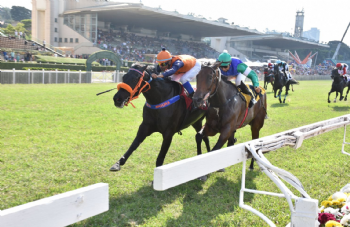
[65, 77]
[68, 75]
[342, 149]
[115, 76]
[79, 76]
[14, 76]
[28, 76]
[49, 77]
[43, 76]
[56, 76]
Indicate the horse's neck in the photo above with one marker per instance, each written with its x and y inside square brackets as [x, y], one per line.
[223, 93]
[160, 91]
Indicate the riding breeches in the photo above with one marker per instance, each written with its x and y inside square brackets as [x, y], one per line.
[240, 77]
[187, 76]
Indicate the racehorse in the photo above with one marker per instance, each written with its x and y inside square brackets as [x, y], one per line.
[161, 113]
[280, 82]
[268, 78]
[338, 85]
[228, 111]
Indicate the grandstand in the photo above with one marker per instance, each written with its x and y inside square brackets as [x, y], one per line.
[137, 32]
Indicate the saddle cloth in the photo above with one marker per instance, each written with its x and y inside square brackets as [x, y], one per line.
[248, 97]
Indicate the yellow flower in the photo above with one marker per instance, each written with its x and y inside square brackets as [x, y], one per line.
[325, 203]
[333, 224]
[341, 200]
[334, 203]
[330, 198]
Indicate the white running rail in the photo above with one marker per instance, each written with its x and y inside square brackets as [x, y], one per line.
[303, 213]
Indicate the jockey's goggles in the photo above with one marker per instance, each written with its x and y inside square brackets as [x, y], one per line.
[225, 67]
[163, 63]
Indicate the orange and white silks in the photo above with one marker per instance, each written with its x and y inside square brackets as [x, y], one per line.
[133, 91]
[188, 61]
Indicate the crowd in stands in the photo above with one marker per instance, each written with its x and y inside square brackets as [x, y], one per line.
[132, 47]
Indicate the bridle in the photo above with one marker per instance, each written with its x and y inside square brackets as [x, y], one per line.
[217, 77]
[138, 89]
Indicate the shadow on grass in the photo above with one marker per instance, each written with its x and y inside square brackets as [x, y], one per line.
[341, 108]
[145, 205]
[279, 105]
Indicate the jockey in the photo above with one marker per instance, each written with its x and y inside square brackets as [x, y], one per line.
[342, 69]
[284, 67]
[185, 66]
[235, 68]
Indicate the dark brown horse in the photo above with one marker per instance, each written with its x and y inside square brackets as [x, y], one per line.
[338, 86]
[227, 111]
[158, 116]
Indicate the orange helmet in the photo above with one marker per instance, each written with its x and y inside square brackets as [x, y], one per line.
[163, 56]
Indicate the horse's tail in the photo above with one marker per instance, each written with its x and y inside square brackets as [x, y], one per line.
[293, 81]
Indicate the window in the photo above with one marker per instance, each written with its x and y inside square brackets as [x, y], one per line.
[66, 40]
[71, 40]
[56, 20]
[55, 39]
[55, 29]
[60, 40]
[76, 40]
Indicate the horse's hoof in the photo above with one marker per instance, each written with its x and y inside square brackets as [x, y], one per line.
[280, 101]
[115, 167]
[341, 98]
[203, 178]
[284, 101]
[346, 99]
[221, 170]
[251, 169]
[329, 101]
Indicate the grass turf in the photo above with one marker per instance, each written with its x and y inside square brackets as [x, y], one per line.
[57, 138]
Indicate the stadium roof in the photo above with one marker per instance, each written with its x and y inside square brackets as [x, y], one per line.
[140, 16]
[278, 41]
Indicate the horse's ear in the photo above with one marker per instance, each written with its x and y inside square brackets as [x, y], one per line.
[217, 64]
[144, 68]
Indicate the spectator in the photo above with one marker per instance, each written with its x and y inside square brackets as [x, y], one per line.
[44, 43]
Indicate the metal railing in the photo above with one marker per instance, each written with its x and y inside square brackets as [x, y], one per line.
[48, 46]
[58, 77]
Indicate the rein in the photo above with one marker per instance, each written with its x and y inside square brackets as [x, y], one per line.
[136, 89]
[208, 95]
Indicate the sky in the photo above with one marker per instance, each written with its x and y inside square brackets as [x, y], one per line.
[331, 17]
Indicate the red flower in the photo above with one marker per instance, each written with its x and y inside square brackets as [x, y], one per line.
[324, 217]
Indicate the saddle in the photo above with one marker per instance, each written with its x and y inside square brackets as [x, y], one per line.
[247, 98]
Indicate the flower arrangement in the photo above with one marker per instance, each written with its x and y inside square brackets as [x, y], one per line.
[335, 211]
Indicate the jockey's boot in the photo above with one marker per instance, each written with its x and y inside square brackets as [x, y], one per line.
[189, 89]
[245, 90]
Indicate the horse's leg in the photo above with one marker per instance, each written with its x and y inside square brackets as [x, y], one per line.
[279, 95]
[143, 132]
[199, 137]
[255, 127]
[232, 140]
[346, 96]
[275, 90]
[336, 96]
[292, 88]
[167, 138]
[286, 94]
[225, 134]
[329, 93]
[341, 95]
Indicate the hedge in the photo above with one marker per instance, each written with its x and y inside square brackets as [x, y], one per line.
[20, 66]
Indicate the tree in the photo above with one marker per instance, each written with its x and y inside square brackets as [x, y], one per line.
[27, 23]
[5, 13]
[19, 13]
[9, 30]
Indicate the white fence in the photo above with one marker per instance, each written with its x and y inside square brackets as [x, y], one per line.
[304, 213]
[58, 77]
[59, 210]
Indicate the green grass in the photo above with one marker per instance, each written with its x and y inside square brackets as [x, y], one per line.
[58, 60]
[57, 138]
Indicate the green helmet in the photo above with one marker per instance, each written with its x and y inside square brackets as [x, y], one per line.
[225, 58]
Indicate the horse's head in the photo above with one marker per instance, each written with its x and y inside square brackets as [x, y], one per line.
[134, 82]
[208, 79]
